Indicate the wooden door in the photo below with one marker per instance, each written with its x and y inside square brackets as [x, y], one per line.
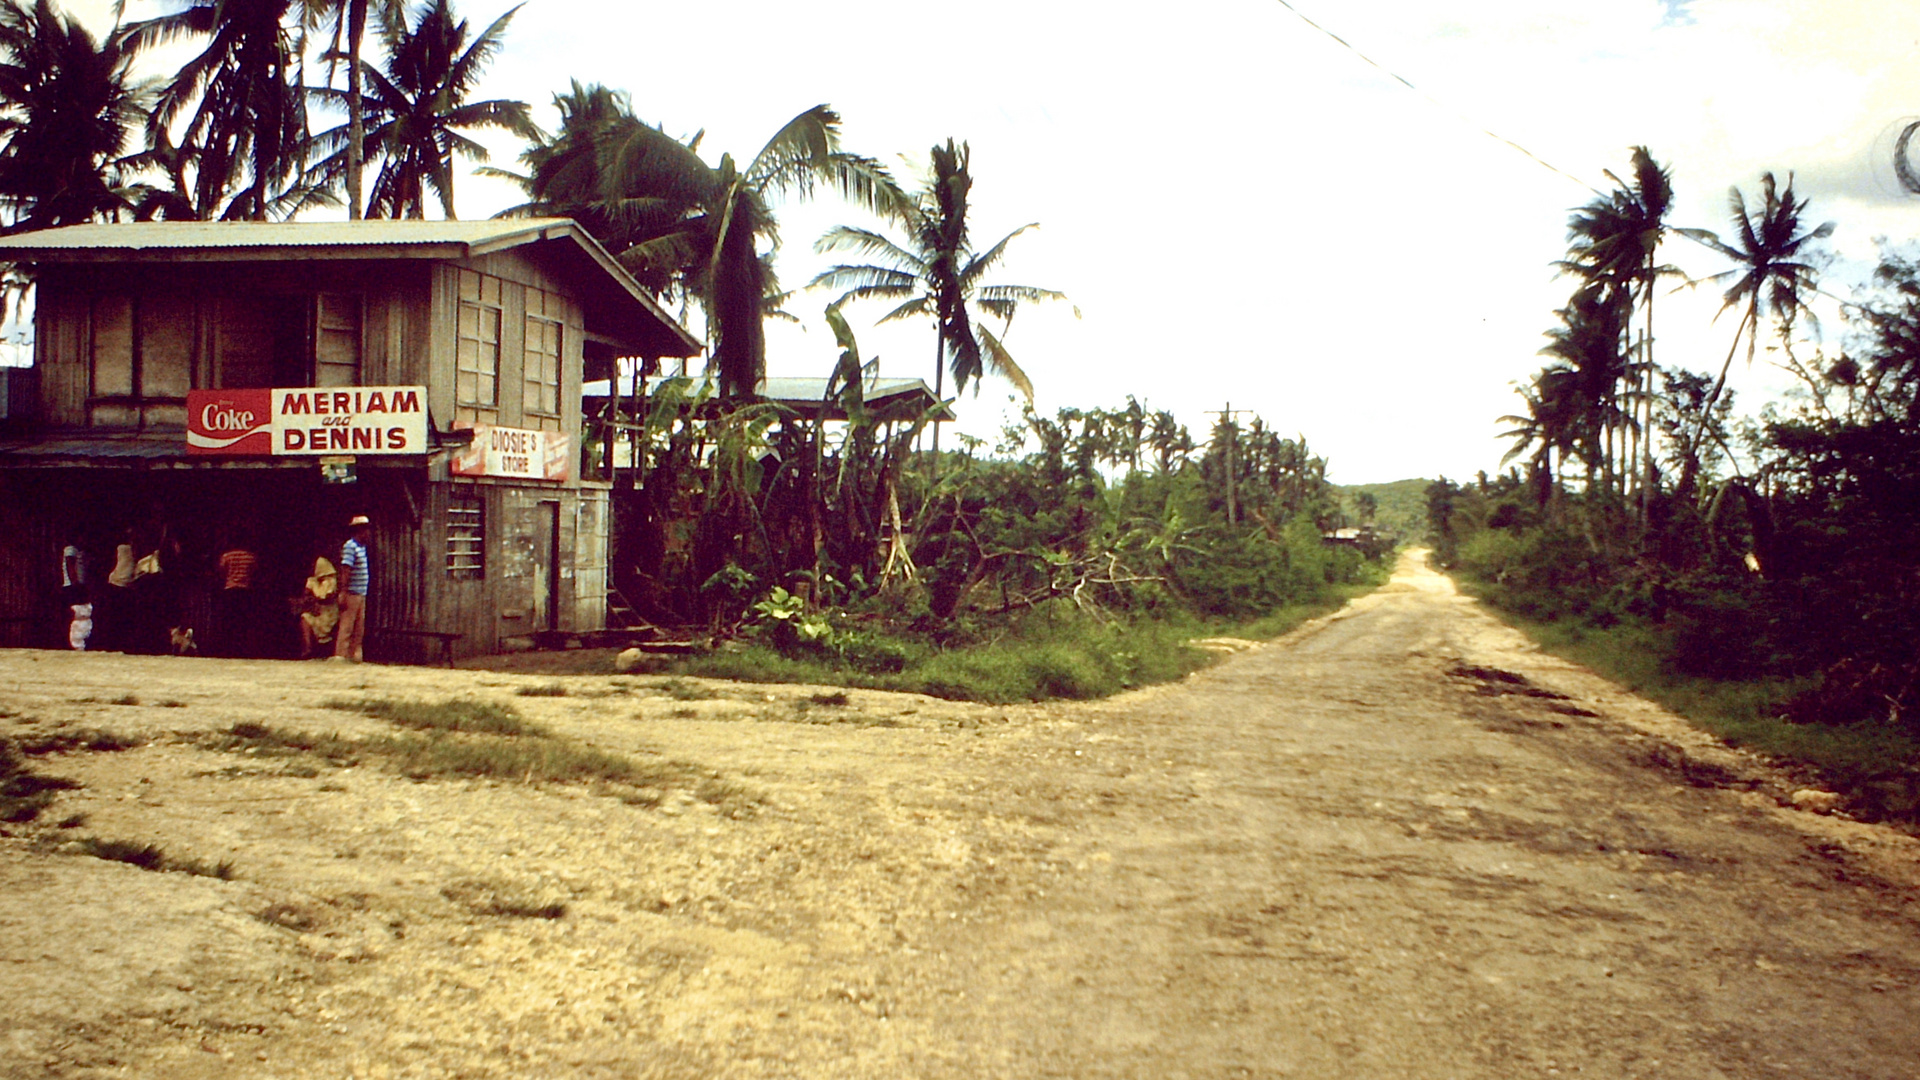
[546, 567]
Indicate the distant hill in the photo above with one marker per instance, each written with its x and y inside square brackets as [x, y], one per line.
[1401, 506]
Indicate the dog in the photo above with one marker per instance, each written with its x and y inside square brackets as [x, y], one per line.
[182, 640]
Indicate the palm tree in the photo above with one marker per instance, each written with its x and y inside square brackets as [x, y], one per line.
[247, 127]
[419, 109]
[937, 272]
[602, 147]
[1614, 243]
[348, 18]
[1580, 391]
[680, 223]
[1770, 278]
[68, 105]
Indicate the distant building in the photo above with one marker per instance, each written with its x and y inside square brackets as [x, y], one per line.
[201, 380]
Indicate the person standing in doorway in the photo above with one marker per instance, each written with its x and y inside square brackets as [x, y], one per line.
[114, 613]
[356, 581]
[76, 593]
[234, 604]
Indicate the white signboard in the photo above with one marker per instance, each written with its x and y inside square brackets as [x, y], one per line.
[356, 420]
[516, 453]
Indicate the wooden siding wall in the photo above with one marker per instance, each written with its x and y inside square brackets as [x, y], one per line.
[519, 277]
[500, 609]
[192, 336]
[31, 612]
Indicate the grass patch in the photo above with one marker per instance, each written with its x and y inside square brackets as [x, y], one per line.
[264, 739]
[726, 796]
[151, 857]
[543, 690]
[454, 714]
[66, 742]
[837, 699]
[442, 754]
[123, 699]
[687, 690]
[1041, 656]
[518, 759]
[25, 794]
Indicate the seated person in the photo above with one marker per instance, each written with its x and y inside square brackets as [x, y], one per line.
[319, 608]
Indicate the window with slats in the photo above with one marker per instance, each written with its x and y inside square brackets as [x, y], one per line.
[336, 340]
[467, 538]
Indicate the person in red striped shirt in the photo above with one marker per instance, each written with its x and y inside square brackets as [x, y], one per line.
[235, 610]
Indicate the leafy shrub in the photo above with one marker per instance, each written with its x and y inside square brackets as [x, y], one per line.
[1719, 635]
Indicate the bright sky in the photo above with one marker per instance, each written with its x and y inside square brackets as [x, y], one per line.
[1243, 210]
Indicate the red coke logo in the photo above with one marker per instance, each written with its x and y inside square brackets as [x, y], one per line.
[224, 416]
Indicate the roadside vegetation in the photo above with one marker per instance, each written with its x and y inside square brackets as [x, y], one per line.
[1079, 560]
[1761, 576]
[1075, 657]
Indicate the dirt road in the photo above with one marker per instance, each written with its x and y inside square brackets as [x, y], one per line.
[1397, 843]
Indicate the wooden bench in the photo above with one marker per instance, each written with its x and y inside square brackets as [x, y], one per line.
[446, 638]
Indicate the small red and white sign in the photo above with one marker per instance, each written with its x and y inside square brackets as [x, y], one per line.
[302, 421]
[518, 453]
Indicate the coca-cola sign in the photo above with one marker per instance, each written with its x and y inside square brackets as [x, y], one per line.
[230, 422]
[306, 420]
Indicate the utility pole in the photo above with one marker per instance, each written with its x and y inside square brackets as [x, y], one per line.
[1226, 416]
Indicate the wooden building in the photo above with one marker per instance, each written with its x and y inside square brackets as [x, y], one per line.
[176, 392]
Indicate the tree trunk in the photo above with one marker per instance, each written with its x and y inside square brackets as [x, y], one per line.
[939, 373]
[356, 122]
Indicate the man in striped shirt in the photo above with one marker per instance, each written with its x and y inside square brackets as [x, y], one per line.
[356, 580]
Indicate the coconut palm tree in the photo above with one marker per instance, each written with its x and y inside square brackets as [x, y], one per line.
[679, 223]
[630, 184]
[936, 271]
[418, 104]
[348, 21]
[1771, 277]
[1614, 243]
[244, 102]
[68, 106]
[1581, 389]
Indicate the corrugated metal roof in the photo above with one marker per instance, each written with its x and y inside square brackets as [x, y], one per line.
[207, 235]
[247, 241]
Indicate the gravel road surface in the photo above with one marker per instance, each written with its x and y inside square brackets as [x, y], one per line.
[1399, 842]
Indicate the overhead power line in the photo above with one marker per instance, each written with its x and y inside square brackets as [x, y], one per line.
[1436, 102]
